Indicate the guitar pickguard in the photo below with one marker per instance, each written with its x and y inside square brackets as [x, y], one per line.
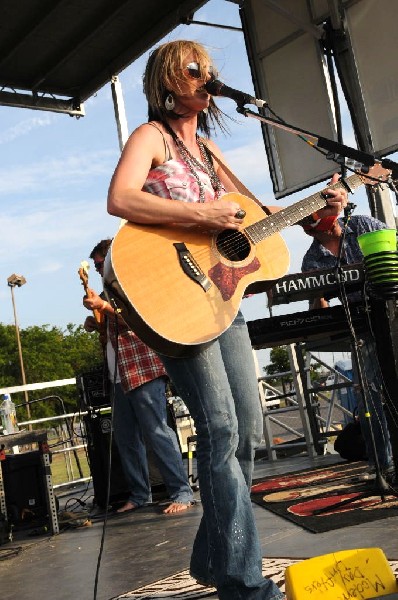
[226, 278]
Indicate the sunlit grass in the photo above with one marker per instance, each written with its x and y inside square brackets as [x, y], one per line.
[65, 466]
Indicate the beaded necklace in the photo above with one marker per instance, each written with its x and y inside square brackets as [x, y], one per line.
[194, 164]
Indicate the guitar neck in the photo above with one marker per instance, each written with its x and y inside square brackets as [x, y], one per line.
[293, 214]
[84, 279]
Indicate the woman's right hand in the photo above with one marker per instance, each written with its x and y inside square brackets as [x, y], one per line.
[220, 214]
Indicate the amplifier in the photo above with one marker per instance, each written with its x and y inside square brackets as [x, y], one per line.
[98, 430]
[24, 488]
[93, 387]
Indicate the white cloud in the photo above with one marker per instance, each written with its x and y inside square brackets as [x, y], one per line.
[50, 233]
[25, 127]
[51, 266]
[56, 173]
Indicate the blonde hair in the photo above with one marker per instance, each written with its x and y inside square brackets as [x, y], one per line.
[165, 72]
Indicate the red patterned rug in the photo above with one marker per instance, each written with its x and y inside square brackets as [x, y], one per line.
[312, 498]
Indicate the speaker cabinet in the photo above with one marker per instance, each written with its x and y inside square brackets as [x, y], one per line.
[24, 488]
[98, 431]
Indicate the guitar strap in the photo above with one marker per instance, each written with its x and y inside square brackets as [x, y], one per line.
[237, 182]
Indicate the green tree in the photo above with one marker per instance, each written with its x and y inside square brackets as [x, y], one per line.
[49, 354]
[279, 363]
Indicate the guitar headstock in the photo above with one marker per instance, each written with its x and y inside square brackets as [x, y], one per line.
[83, 272]
[376, 174]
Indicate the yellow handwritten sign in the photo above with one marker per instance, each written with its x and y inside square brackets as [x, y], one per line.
[360, 574]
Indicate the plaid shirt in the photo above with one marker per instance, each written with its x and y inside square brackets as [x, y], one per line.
[137, 364]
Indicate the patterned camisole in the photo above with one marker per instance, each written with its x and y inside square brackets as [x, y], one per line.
[174, 180]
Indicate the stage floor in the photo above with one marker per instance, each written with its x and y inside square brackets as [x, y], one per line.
[145, 546]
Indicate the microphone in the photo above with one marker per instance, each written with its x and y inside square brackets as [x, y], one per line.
[349, 209]
[218, 88]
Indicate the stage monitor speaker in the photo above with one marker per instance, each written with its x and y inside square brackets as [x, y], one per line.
[280, 38]
[98, 430]
[24, 488]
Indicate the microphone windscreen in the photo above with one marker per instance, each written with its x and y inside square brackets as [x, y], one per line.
[213, 87]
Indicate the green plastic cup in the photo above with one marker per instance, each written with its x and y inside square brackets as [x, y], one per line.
[390, 276]
[385, 279]
[381, 258]
[388, 268]
[382, 240]
[381, 271]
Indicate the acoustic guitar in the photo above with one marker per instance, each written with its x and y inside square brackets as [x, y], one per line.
[180, 287]
[83, 274]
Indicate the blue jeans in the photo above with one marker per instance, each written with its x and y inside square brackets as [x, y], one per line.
[219, 387]
[139, 415]
[374, 396]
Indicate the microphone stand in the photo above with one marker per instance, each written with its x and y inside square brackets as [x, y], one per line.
[367, 160]
[332, 147]
[380, 487]
[380, 483]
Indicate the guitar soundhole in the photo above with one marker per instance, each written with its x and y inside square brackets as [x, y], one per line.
[233, 245]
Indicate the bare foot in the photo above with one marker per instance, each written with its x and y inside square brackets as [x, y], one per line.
[176, 507]
[127, 507]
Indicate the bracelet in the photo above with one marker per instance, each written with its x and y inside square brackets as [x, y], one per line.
[310, 221]
[316, 220]
[321, 225]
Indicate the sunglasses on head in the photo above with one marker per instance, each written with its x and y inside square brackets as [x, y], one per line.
[194, 70]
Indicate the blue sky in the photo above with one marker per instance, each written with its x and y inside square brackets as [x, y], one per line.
[55, 171]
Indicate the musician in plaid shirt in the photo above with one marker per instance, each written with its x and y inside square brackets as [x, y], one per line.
[139, 411]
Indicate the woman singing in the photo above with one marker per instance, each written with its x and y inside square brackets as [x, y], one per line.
[166, 175]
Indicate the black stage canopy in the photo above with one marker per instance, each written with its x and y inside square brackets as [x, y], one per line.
[54, 54]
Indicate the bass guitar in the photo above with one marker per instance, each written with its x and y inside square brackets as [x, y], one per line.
[180, 287]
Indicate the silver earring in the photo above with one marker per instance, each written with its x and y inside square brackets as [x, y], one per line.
[205, 111]
[169, 103]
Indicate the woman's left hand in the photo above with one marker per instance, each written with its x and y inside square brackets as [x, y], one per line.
[336, 199]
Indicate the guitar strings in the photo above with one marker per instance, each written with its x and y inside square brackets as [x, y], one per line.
[255, 232]
[237, 241]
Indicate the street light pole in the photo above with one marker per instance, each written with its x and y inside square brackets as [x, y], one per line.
[17, 281]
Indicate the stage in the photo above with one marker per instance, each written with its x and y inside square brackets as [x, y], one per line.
[145, 546]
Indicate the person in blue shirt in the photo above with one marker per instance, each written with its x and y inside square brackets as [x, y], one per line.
[324, 253]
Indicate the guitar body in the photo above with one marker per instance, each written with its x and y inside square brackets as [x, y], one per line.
[179, 288]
